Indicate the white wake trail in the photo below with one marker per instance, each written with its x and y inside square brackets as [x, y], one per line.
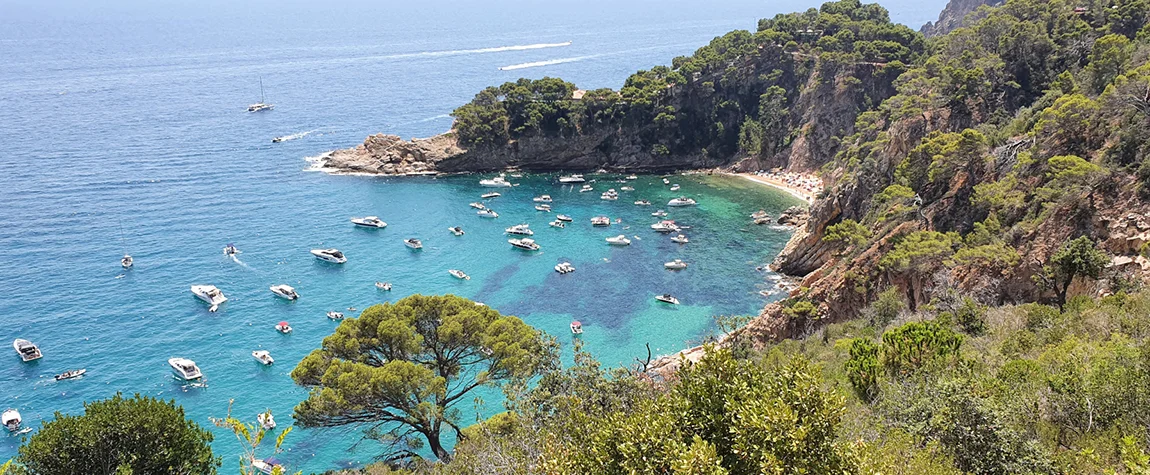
[549, 62]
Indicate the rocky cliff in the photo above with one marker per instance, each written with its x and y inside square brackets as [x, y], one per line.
[953, 14]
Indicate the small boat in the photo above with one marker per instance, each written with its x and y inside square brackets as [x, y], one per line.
[600, 221]
[620, 240]
[490, 195]
[334, 315]
[564, 218]
[267, 467]
[383, 285]
[285, 291]
[262, 105]
[279, 139]
[76, 373]
[283, 327]
[520, 229]
[542, 199]
[185, 369]
[564, 268]
[643, 203]
[516, 175]
[413, 243]
[266, 420]
[676, 264]
[632, 177]
[681, 239]
[527, 244]
[27, 350]
[585, 189]
[209, 294]
[126, 262]
[456, 230]
[329, 255]
[666, 181]
[11, 420]
[659, 214]
[681, 201]
[572, 179]
[665, 226]
[477, 205]
[230, 250]
[576, 327]
[498, 182]
[557, 224]
[458, 274]
[609, 196]
[263, 356]
[626, 188]
[487, 213]
[546, 208]
[675, 187]
[667, 298]
[369, 222]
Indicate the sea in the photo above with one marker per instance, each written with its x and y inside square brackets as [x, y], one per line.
[123, 130]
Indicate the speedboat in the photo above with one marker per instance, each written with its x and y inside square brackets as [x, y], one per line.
[329, 255]
[675, 187]
[369, 222]
[230, 250]
[266, 467]
[542, 199]
[209, 294]
[643, 203]
[334, 315]
[266, 420]
[666, 181]
[681, 201]
[557, 224]
[609, 196]
[667, 298]
[620, 240]
[498, 182]
[564, 218]
[27, 350]
[76, 373]
[585, 189]
[659, 214]
[413, 243]
[681, 239]
[600, 221]
[572, 179]
[576, 327]
[665, 226]
[632, 177]
[487, 213]
[456, 230]
[185, 369]
[263, 356]
[458, 274]
[11, 420]
[527, 244]
[477, 205]
[285, 291]
[521, 229]
[383, 285]
[126, 262]
[564, 268]
[490, 195]
[516, 175]
[676, 264]
[283, 327]
[626, 188]
[546, 208]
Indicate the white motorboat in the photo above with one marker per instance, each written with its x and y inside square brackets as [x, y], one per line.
[600, 221]
[585, 189]
[557, 224]
[609, 196]
[576, 327]
[413, 243]
[185, 369]
[369, 222]
[666, 181]
[231, 250]
[659, 214]
[262, 105]
[11, 420]
[458, 274]
[681, 239]
[527, 244]
[682, 201]
[283, 327]
[209, 294]
[27, 350]
[542, 199]
[546, 208]
[564, 268]
[490, 195]
[643, 203]
[456, 230]
[626, 188]
[334, 315]
[383, 285]
[487, 213]
[263, 356]
[73, 374]
[477, 205]
[329, 255]
[520, 229]
[126, 262]
[497, 182]
[667, 298]
[675, 187]
[676, 264]
[572, 179]
[265, 467]
[266, 420]
[665, 226]
[564, 218]
[632, 177]
[620, 240]
[285, 291]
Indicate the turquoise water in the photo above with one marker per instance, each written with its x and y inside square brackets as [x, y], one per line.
[129, 115]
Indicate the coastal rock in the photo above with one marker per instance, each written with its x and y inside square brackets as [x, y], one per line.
[953, 15]
[391, 155]
[794, 216]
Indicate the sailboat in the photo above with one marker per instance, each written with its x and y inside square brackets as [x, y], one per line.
[262, 105]
[125, 262]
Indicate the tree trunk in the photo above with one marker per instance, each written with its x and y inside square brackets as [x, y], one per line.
[437, 447]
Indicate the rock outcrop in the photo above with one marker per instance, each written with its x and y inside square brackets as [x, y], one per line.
[953, 15]
[391, 155]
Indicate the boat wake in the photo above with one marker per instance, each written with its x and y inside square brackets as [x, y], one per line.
[549, 62]
[297, 135]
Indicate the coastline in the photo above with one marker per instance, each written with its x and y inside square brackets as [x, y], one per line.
[797, 192]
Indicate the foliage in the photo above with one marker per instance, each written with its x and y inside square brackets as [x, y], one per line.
[1077, 258]
[920, 251]
[914, 345]
[250, 437]
[848, 232]
[118, 435]
[863, 368]
[887, 307]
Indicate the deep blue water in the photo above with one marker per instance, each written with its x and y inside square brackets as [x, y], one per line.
[130, 115]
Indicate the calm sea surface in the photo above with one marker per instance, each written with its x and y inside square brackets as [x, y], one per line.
[123, 129]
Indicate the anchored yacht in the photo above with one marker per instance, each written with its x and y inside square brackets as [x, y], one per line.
[667, 298]
[576, 327]
[564, 218]
[681, 239]
[643, 203]
[675, 187]
[126, 262]
[334, 315]
[527, 244]
[458, 274]
[600, 221]
[413, 243]
[682, 201]
[27, 350]
[676, 264]
[572, 179]
[383, 286]
[456, 230]
[263, 356]
[209, 294]
[477, 205]
[11, 420]
[283, 327]
[544, 207]
[564, 268]
[266, 420]
[329, 255]
[659, 214]
[620, 240]
[665, 226]
[632, 177]
[542, 199]
[285, 291]
[369, 222]
[487, 213]
[493, 194]
[557, 224]
[498, 182]
[520, 229]
[185, 369]
[585, 189]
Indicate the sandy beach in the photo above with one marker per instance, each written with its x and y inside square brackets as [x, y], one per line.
[798, 192]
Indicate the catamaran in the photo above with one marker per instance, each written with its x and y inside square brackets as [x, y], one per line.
[262, 105]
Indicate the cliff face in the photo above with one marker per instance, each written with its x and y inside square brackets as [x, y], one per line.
[952, 16]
